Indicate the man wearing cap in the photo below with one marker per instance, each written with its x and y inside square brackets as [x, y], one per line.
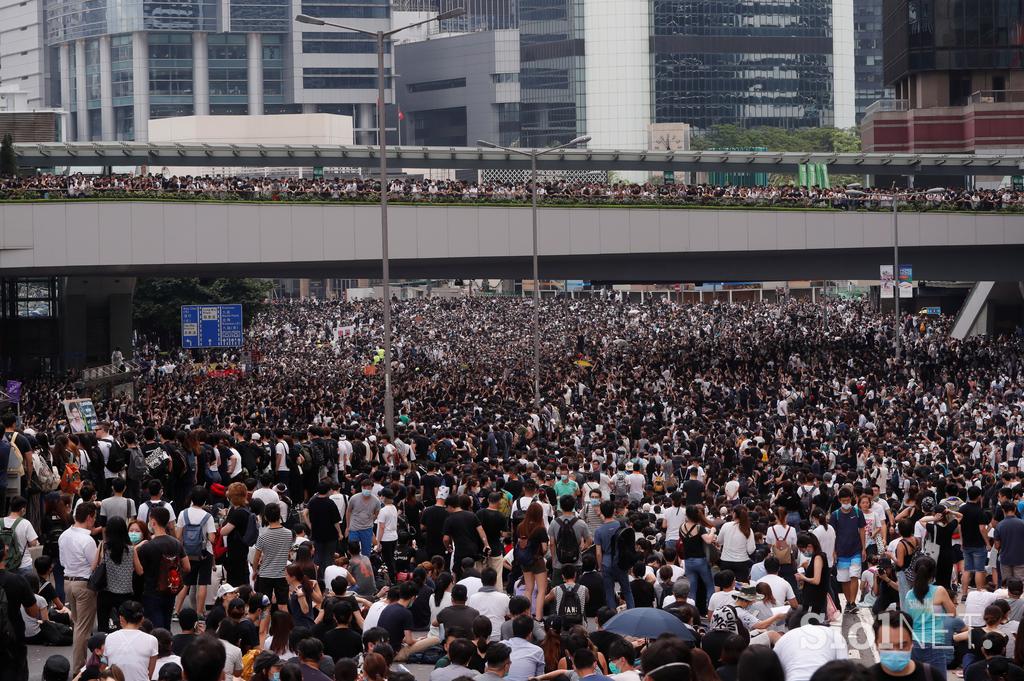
[746, 596]
[432, 524]
[362, 512]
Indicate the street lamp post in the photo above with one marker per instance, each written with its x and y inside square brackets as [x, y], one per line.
[381, 37]
[533, 154]
[896, 266]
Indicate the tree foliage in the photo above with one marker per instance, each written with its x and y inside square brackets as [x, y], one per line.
[778, 139]
[8, 161]
[158, 301]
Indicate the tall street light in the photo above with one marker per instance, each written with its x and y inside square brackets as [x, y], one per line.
[533, 154]
[380, 36]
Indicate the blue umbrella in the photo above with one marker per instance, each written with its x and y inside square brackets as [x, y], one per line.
[648, 623]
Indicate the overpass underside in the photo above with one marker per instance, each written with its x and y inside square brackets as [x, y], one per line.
[138, 238]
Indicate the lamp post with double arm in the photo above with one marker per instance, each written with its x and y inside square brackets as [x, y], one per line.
[381, 38]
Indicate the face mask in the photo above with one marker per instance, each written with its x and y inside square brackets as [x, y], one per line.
[847, 507]
[564, 478]
[103, 660]
[276, 676]
[595, 502]
[809, 554]
[894, 660]
[366, 492]
[614, 668]
[135, 537]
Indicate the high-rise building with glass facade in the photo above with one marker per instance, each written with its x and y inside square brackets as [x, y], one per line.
[117, 63]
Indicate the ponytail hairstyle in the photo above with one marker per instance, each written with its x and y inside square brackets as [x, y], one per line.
[444, 580]
[924, 573]
[742, 519]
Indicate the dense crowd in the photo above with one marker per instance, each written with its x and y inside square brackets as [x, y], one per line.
[551, 192]
[716, 493]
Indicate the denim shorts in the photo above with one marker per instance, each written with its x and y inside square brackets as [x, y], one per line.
[975, 559]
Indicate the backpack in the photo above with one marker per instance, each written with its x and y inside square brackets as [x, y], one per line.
[193, 538]
[46, 476]
[806, 500]
[570, 608]
[137, 467]
[523, 553]
[168, 579]
[9, 539]
[157, 462]
[910, 569]
[15, 455]
[567, 546]
[658, 482]
[252, 530]
[96, 466]
[504, 506]
[71, 480]
[620, 485]
[518, 512]
[624, 547]
[179, 465]
[117, 459]
[781, 549]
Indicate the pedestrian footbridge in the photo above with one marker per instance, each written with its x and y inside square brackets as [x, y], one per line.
[138, 238]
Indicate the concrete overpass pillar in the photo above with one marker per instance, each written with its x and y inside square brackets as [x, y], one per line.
[73, 324]
[96, 318]
[119, 307]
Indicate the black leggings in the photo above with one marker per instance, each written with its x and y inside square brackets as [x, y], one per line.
[387, 554]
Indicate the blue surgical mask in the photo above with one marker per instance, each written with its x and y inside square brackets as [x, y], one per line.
[103, 660]
[847, 507]
[894, 660]
[595, 502]
[135, 537]
[276, 676]
[366, 492]
[613, 668]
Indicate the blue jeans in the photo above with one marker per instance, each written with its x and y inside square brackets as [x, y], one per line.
[365, 539]
[157, 608]
[933, 655]
[612, 576]
[697, 569]
[975, 559]
[793, 519]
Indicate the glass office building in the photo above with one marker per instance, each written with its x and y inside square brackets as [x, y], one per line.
[120, 63]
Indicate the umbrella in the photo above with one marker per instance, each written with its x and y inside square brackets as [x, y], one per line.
[648, 623]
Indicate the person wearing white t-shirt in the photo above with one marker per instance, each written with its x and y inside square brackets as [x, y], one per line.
[782, 591]
[673, 519]
[135, 652]
[234, 464]
[24, 534]
[805, 649]
[373, 614]
[387, 529]
[281, 458]
[202, 565]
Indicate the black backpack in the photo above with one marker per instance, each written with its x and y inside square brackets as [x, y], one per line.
[96, 465]
[624, 548]
[252, 530]
[570, 608]
[567, 546]
[117, 458]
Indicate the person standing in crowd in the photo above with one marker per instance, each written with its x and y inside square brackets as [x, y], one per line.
[736, 539]
[851, 546]
[196, 531]
[271, 557]
[18, 597]
[361, 515]
[77, 556]
[162, 561]
[234, 530]
[322, 517]
[605, 539]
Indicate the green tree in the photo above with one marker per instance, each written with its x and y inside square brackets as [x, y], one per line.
[8, 161]
[158, 301]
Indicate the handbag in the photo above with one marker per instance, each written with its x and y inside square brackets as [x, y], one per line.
[930, 547]
[98, 579]
[831, 611]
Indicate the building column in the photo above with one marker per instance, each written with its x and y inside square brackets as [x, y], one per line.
[366, 124]
[200, 74]
[106, 92]
[83, 107]
[65, 91]
[254, 53]
[140, 85]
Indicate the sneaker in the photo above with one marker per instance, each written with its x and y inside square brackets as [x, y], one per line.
[174, 617]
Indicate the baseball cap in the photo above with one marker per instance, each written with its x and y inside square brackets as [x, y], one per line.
[255, 437]
[442, 492]
[225, 589]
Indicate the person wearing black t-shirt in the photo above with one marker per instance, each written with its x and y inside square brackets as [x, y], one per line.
[462, 531]
[324, 521]
[494, 523]
[894, 638]
[342, 640]
[974, 521]
[148, 556]
[18, 593]
[693, 489]
[236, 563]
[432, 527]
[396, 618]
[187, 619]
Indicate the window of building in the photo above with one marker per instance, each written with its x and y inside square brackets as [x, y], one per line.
[36, 298]
[432, 85]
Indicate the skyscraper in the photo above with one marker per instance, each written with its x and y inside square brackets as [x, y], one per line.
[118, 64]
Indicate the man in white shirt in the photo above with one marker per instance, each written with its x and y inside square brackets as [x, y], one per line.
[782, 591]
[133, 651]
[281, 457]
[636, 481]
[202, 564]
[804, 649]
[77, 553]
[156, 491]
[490, 602]
[344, 454]
[266, 493]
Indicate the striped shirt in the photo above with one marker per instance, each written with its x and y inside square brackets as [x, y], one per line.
[274, 543]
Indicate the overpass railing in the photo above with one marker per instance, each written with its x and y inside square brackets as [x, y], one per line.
[1001, 201]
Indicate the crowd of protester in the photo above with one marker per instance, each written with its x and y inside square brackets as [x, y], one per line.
[555, 192]
[764, 475]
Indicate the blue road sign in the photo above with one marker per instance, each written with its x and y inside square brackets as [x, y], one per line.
[211, 326]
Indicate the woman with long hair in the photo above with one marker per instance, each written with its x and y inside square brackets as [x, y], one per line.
[531, 549]
[440, 600]
[781, 540]
[236, 560]
[736, 540]
[481, 637]
[826, 535]
[375, 668]
[280, 630]
[116, 555]
[695, 534]
[922, 600]
[303, 596]
[814, 580]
